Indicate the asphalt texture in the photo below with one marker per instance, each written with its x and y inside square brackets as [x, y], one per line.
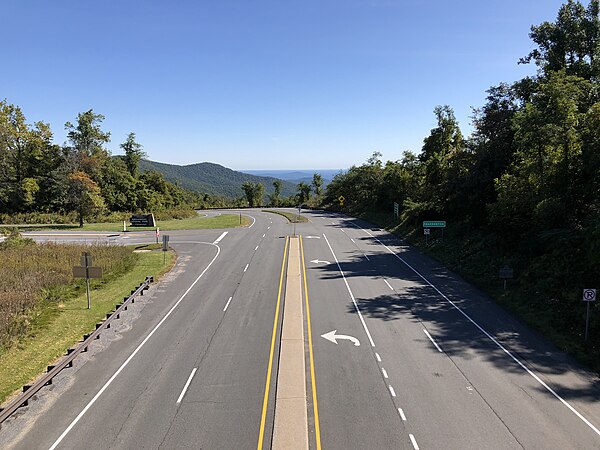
[438, 364]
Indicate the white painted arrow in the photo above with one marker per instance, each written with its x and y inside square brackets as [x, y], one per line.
[331, 336]
[313, 237]
[318, 261]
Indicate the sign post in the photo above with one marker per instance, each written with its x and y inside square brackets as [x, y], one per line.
[505, 273]
[165, 246]
[396, 210]
[589, 295]
[87, 271]
[157, 234]
[426, 232]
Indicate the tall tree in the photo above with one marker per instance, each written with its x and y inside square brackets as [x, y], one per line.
[571, 43]
[304, 191]
[254, 193]
[317, 183]
[133, 154]
[275, 198]
[87, 156]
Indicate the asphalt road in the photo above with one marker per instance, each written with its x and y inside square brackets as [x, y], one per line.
[438, 365]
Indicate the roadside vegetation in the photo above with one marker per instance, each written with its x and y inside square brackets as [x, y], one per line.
[523, 190]
[43, 311]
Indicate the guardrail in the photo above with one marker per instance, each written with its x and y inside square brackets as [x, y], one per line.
[30, 390]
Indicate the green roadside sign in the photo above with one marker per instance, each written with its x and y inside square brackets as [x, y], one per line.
[434, 224]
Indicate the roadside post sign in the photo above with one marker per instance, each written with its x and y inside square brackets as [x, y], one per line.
[434, 224]
[87, 271]
[396, 210]
[426, 232]
[157, 234]
[342, 199]
[589, 295]
[165, 246]
[505, 273]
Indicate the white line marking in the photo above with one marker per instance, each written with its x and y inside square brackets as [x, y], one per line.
[264, 234]
[253, 222]
[228, 301]
[432, 341]
[138, 348]
[414, 442]
[268, 228]
[366, 257]
[220, 237]
[256, 248]
[377, 356]
[246, 268]
[187, 384]
[392, 391]
[385, 375]
[401, 412]
[386, 282]
[351, 294]
[352, 241]
[504, 349]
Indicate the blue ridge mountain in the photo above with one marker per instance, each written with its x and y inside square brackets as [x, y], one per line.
[214, 179]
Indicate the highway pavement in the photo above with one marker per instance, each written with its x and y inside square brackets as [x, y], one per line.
[412, 357]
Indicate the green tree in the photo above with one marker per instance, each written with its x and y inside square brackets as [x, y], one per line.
[133, 154]
[87, 156]
[275, 198]
[571, 43]
[254, 193]
[304, 191]
[317, 183]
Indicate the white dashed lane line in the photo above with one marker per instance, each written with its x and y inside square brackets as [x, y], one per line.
[385, 375]
[392, 391]
[246, 268]
[431, 339]
[414, 442]
[228, 301]
[402, 416]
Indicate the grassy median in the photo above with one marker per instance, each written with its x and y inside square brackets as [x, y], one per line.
[54, 324]
[291, 217]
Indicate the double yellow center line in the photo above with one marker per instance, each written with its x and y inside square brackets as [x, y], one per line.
[272, 352]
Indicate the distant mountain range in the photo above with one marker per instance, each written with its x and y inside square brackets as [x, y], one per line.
[297, 176]
[214, 179]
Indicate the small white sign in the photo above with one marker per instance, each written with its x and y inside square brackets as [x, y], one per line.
[426, 230]
[589, 295]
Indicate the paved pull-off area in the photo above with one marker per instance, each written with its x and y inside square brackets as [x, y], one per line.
[342, 338]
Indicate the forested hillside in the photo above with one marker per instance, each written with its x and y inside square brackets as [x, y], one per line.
[523, 190]
[213, 178]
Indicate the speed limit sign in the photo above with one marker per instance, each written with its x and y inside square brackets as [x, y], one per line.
[589, 295]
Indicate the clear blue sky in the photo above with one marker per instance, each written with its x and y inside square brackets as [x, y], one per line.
[256, 84]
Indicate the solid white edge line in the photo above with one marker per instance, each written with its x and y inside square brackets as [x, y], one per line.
[402, 416]
[228, 301]
[246, 268]
[506, 351]
[187, 384]
[385, 375]
[351, 294]
[220, 237]
[128, 360]
[389, 285]
[392, 391]
[432, 341]
[414, 442]
[377, 356]
[253, 222]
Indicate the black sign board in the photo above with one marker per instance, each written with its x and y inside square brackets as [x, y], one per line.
[143, 220]
[506, 272]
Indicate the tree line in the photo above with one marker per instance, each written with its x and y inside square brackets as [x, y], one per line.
[254, 194]
[80, 177]
[525, 183]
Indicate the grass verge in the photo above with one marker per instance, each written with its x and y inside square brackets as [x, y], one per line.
[193, 223]
[62, 325]
[291, 217]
